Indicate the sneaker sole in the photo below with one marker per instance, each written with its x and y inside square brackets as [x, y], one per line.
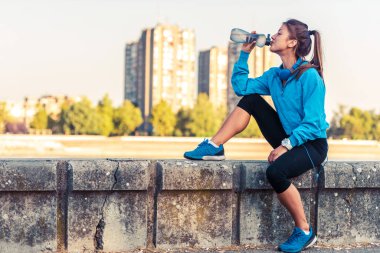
[311, 243]
[214, 158]
[207, 158]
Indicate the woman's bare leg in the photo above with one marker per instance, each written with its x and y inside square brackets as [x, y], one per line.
[236, 122]
[291, 199]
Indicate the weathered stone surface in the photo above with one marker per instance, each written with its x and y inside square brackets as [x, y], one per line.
[256, 177]
[349, 216]
[27, 222]
[28, 175]
[352, 175]
[199, 204]
[124, 216]
[194, 218]
[99, 175]
[196, 175]
[263, 220]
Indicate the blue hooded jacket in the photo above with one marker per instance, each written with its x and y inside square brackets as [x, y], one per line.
[299, 103]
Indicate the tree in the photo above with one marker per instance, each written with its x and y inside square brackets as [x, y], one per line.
[357, 124]
[3, 116]
[336, 130]
[82, 118]
[183, 119]
[376, 128]
[126, 118]
[354, 124]
[40, 119]
[203, 118]
[105, 111]
[163, 119]
[63, 123]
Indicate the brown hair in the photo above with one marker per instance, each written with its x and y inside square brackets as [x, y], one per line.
[299, 31]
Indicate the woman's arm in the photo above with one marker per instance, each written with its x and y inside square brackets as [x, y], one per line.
[243, 85]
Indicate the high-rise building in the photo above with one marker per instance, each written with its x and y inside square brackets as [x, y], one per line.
[212, 79]
[130, 75]
[165, 65]
[260, 60]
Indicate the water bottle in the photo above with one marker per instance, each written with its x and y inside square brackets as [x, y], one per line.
[241, 36]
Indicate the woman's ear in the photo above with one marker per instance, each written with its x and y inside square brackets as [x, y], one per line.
[292, 43]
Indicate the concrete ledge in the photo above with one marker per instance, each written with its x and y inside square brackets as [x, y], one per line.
[352, 175]
[100, 175]
[196, 175]
[28, 175]
[119, 205]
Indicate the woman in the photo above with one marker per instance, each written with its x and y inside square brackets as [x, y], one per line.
[296, 130]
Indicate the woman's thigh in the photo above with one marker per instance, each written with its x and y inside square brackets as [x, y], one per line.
[301, 158]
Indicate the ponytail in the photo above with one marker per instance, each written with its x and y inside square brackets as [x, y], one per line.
[317, 54]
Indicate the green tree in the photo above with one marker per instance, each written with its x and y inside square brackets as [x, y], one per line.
[354, 123]
[126, 118]
[357, 124]
[40, 119]
[163, 119]
[105, 111]
[376, 128]
[4, 116]
[82, 118]
[63, 123]
[203, 118]
[336, 130]
[183, 119]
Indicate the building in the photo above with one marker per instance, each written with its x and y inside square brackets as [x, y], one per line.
[259, 60]
[212, 78]
[165, 64]
[130, 76]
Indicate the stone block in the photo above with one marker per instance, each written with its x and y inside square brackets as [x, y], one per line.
[27, 222]
[352, 175]
[99, 175]
[263, 220]
[124, 215]
[256, 177]
[28, 175]
[349, 216]
[194, 219]
[196, 175]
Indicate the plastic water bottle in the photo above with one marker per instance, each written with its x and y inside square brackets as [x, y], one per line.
[240, 36]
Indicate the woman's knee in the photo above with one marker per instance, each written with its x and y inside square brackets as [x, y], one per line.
[272, 174]
[277, 179]
[249, 103]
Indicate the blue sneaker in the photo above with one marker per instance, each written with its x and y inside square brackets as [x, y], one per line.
[206, 151]
[298, 241]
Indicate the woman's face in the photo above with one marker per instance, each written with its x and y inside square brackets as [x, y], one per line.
[280, 41]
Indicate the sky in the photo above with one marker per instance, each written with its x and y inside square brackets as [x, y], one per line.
[76, 47]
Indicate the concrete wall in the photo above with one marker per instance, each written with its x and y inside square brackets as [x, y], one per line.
[115, 205]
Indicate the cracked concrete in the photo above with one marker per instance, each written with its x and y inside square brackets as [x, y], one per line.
[98, 238]
[123, 205]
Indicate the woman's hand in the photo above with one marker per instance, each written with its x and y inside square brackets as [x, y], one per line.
[249, 45]
[276, 153]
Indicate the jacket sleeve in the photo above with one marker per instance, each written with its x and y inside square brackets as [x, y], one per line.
[243, 85]
[313, 99]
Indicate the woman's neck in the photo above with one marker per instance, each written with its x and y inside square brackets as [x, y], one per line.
[288, 60]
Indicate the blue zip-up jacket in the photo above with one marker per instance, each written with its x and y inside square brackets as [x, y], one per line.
[299, 103]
